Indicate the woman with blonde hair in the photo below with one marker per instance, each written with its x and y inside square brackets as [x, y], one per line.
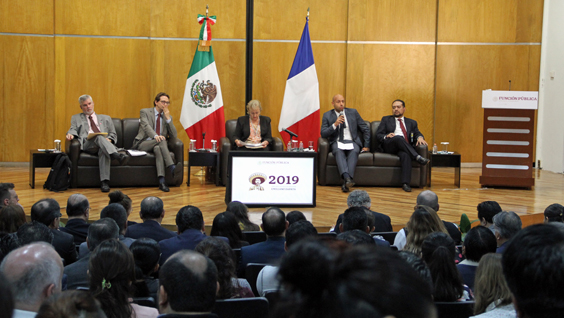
[422, 222]
[491, 293]
[253, 131]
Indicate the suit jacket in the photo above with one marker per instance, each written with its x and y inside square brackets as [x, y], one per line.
[78, 228]
[388, 125]
[267, 252]
[354, 122]
[382, 223]
[83, 248]
[243, 129]
[149, 228]
[186, 240]
[79, 127]
[77, 273]
[147, 124]
[64, 245]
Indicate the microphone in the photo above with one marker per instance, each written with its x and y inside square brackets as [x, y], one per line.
[292, 134]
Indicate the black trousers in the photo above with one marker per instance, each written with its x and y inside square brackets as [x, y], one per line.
[397, 145]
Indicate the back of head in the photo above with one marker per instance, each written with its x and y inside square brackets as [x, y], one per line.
[225, 224]
[507, 224]
[11, 218]
[77, 205]
[189, 217]
[5, 191]
[34, 232]
[487, 210]
[478, 242]
[223, 257]
[356, 237]
[151, 208]
[112, 270]
[428, 198]
[295, 216]
[533, 265]
[45, 211]
[418, 265]
[489, 283]
[355, 219]
[298, 231]
[274, 222]
[553, 212]
[71, 304]
[146, 253]
[422, 222]
[121, 198]
[239, 209]
[116, 212]
[101, 230]
[359, 199]
[190, 282]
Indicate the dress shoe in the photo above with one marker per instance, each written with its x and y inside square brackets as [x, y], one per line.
[349, 183]
[120, 157]
[422, 161]
[344, 187]
[163, 187]
[406, 187]
[178, 173]
[104, 186]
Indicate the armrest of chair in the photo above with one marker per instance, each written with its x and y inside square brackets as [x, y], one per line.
[322, 153]
[72, 148]
[278, 144]
[224, 148]
[177, 147]
[423, 151]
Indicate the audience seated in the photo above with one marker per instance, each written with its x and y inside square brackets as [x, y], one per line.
[98, 232]
[422, 222]
[11, 218]
[295, 216]
[8, 195]
[188, 286]
[492, 295]
[274, 224]
[146, 253]
[71, 304]
[486, 212]
[119, 197]
[241, 212]
[534, 271]
[361, 199]
[418, 265]
[222, 255]
[356, 218]
[6, 298]
[35, 272]
[152, 213]
[478, 242]
[554, 213]
[48, 212]
[34, 232]
[506, 225]
[356, 237]
[78, 211]
[225, 224]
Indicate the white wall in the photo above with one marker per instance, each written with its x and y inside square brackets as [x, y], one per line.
[550, 124]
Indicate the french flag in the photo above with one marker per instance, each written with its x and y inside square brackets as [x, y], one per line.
[300, 108]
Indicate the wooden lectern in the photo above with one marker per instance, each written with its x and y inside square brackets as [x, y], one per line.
[509, 128]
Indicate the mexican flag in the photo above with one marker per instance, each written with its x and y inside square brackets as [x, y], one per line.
[202, 107]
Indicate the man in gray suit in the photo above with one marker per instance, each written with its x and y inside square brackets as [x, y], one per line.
[155, 128]
[89, 122]
[341, 127]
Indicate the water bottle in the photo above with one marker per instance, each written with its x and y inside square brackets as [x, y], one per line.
[289, 146]
[301, 149]
[435, 149]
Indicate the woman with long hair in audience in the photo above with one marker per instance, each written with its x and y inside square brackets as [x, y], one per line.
[11, 218]
[222, 255]
[146, 253]
[119, 197]
[438, 251]
[493, 297]
[225, 224]
[554, 213]
[112, 271]
[422, 222]
[241, 212]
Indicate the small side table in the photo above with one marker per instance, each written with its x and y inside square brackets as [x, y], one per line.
[445, 160]
[203, 159]
[39, 159]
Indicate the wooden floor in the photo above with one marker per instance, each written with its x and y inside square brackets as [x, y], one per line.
[330, 200]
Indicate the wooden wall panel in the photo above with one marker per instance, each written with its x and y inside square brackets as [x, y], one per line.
[462, 73]
[284, 20]
[490, 20]
[392, 20]
[26, 16]
[175, 18]
[272, 63]
[379, 74]
[171, 61]
[97, 17]
[27, 100]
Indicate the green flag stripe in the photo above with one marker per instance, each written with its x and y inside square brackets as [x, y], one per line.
[201, 60]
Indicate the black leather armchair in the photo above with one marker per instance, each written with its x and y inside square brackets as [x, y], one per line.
[138, 172]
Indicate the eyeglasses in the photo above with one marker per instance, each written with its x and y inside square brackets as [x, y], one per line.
[164, 102]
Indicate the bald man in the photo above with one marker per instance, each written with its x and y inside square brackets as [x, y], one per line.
[35, 272]
[341, 126]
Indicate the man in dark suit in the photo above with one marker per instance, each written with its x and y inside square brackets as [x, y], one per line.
[78, 211]
[341, 126]
[360, 198]
[152, 213]
[89, 122]
[430, 199]
[274, 225]
[48, 212]
[155, 128]
[398, 135]
[356, 218]
[101, 230]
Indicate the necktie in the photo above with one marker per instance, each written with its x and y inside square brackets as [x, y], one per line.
[403, 130]
[93, 125]
[159, 124]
